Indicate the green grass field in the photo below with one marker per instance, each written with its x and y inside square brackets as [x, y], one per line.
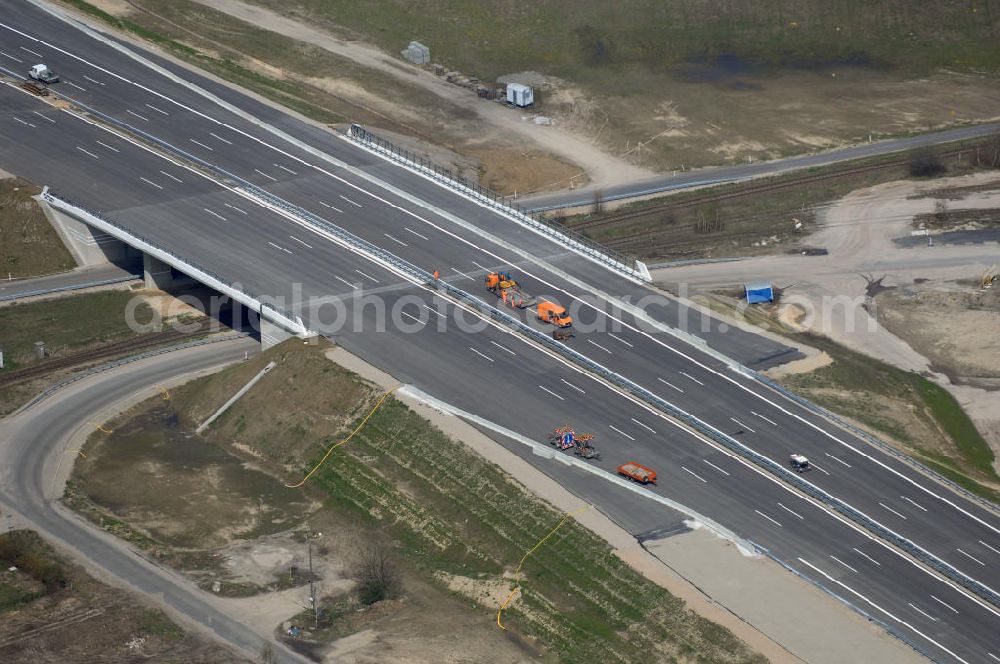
[29, 246]
[66, 325]
[578, 40]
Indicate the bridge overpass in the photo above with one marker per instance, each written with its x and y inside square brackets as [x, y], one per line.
[244, 197]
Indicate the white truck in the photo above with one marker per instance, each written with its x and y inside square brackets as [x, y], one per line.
[43, 74]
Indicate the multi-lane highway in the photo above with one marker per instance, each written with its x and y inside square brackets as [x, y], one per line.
[480, 368]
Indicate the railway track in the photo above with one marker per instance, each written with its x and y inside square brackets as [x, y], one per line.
[101, 353]
[749, 190]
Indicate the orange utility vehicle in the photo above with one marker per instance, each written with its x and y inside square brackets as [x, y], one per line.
[637, 472]
[509, 291]
[550, 312]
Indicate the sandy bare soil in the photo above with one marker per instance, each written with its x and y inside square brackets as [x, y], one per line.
[594, 164]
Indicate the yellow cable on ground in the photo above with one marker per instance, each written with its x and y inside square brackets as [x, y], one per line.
[343, 442]
[517, 573]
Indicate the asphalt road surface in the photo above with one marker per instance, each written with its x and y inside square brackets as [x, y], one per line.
[88, 277]
[34, 443]
[418, 338]
[716, 175]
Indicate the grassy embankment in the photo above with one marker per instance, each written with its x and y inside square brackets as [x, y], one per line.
[451, 517]
[915, 414]
[67, 326]
[29, 246]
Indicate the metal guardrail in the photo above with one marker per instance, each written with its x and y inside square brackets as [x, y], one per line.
[422, 276]
[872, 440]
[504, 204]
[52, 389]
[71, 287]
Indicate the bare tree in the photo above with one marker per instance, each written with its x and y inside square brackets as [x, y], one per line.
[377, 576]
[926, 163]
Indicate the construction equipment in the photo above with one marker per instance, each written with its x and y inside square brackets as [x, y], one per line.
[43, 73]
[566, 438]
[637, 472]
[36, 87]
[559, 334]
[550, 312]
[508, 290]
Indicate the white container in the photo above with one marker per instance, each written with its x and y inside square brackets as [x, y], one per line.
[520, 95]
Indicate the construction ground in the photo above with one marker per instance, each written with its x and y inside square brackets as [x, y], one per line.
[605, 121]
[52, 612]
[886, 290]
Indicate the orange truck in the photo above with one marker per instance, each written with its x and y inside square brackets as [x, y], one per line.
[637, 472]
[509, 291]
[550, 312]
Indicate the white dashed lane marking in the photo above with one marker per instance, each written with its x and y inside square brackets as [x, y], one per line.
[207, 147]
[716, 467]
[367, 276]
[600, 346]
[742, 425]
[769, 421]
[503, 348]
[691, 472]
[768, 518]
[791, 511]
[684, 373]
[644, 426]
[410, 230]
[612, 426]
[670, 384]
[552, 393]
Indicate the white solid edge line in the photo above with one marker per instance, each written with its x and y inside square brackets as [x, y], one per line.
[876, 606]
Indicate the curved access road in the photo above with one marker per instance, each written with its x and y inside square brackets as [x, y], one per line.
[36, 447]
